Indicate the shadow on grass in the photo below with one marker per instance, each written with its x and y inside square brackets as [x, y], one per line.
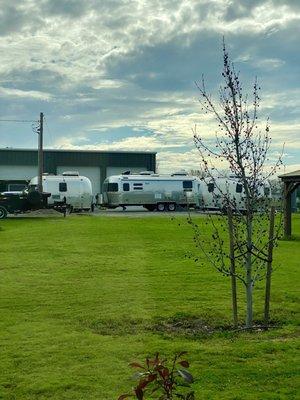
[179, 325]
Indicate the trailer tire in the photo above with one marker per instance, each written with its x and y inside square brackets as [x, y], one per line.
[171, 206]
[3, 212]
[160, 207]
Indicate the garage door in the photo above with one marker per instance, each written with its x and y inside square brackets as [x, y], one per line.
[18, 172]
[93, 173]
[119, 170]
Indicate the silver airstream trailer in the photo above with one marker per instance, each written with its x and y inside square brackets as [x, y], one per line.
[76, 190]
[152, 191]
[215, 193]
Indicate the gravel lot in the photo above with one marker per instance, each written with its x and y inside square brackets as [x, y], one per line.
[136, 212]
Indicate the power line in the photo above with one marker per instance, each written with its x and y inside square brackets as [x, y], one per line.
[18, 120]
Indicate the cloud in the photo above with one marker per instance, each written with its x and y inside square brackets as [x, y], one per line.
[107, 71]
[29, 94]
[65, 8]
[141, 143]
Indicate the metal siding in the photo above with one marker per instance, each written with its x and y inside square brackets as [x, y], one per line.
[54, 158]
[11, 157]
[18, 172]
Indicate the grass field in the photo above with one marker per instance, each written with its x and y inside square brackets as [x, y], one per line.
[82, 297]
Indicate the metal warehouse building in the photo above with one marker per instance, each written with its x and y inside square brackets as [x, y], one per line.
[17, 166]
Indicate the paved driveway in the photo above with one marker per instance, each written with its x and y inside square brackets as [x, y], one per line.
[140, 212]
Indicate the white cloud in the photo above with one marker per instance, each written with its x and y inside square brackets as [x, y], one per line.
[68, 53]
[16, 93]
[140, 143]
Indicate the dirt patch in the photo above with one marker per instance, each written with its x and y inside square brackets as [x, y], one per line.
[188, 326]
[178, 325]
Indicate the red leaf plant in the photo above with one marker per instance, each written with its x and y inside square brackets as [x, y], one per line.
[166, 380]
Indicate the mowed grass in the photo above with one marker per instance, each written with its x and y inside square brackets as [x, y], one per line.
[82, 297]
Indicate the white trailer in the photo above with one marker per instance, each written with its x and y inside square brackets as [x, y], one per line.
[216, 192]
[70, 187]
[152, 191]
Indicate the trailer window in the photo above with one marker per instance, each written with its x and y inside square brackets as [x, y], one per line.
[126, 187]
[267, 191]
[113, 187]
[239, 188]
[211, 187]
[187, 184]
[62, 186]
[137, 186]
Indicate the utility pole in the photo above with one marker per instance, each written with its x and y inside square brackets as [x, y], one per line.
[40, 154]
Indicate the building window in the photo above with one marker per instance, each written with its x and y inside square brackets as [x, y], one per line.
[113, 187]
[62, 186]
[187, 184]
[126, 187]
[211, 187]
[239, 188]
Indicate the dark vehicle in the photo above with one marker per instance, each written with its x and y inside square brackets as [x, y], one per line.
[21, 202]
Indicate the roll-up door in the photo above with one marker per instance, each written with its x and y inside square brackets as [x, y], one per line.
[93, 173]
[18, 172]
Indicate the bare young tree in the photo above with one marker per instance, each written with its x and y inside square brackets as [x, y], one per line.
[241, 147]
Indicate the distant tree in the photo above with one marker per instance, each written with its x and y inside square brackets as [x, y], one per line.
[242, 148]
[202, 174]
[197, 172]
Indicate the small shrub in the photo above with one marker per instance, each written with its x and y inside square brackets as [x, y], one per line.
[166, 380]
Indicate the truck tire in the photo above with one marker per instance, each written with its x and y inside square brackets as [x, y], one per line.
[3, 212]
[160, 207]
[171, 206]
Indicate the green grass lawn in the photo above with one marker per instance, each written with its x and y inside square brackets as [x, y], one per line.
[82, 297]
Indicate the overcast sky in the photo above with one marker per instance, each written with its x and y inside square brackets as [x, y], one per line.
[119, 74]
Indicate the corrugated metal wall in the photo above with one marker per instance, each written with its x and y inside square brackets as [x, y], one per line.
[55, 158]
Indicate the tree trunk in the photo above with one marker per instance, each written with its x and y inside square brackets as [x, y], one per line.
[232, 269]
[269, 266]
[248, 266]
[249, 308]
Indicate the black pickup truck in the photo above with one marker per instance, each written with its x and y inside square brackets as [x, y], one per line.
[21, 202]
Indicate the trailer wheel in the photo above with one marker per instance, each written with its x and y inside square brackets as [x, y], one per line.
[160, 207]
[3, 212]
[171, 207]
